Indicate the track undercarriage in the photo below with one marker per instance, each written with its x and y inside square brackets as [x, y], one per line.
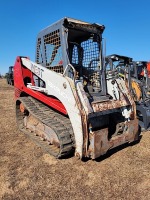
[49, 129]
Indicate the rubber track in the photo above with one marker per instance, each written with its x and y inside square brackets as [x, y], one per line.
[59, 123]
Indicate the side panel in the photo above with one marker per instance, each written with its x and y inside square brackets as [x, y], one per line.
[19, 74]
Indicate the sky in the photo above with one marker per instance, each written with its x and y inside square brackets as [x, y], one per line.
[127, 25]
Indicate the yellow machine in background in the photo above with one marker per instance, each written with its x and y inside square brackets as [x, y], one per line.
[136, 90]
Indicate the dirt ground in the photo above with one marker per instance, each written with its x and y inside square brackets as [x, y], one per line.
[27, 172]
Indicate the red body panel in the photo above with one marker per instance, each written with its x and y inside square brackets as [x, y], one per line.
[20, 73]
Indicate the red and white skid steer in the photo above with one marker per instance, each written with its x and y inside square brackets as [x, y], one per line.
[65, 102]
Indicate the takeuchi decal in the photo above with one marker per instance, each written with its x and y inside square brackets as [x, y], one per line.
[58, 90]
[36, 70]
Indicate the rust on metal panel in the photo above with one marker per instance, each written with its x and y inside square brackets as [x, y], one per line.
[100, 144]
[128, 97]
[108, 105]
[84, 99]
[84, 121]
[132, 102]
[77, 21]
[85, 132]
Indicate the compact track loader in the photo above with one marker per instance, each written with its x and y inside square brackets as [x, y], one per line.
[62, 100]
[136, 77]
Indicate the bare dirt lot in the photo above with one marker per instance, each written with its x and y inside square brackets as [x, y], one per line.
[27, 172]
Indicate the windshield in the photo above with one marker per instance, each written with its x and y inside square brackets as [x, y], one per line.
[85, 54]
[84, 51]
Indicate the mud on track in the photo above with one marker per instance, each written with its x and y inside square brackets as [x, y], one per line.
[27, 172]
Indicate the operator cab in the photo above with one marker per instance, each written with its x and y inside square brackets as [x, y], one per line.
[74, 48]
[117, 66]
[140, 69]
[84, 47]
[142, 74]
